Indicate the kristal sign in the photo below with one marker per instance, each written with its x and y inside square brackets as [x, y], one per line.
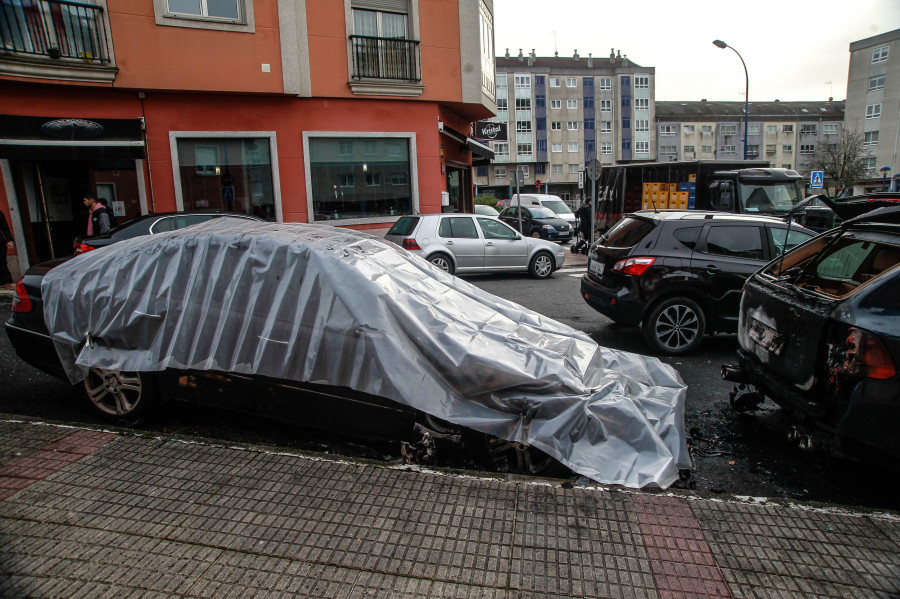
[490, 131]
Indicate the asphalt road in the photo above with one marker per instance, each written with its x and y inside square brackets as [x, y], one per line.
[735, 454]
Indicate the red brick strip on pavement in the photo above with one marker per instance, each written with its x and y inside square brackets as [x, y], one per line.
[680, 558]
[27, 470]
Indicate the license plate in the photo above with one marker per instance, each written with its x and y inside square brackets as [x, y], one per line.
[766, 337]
[596, 268]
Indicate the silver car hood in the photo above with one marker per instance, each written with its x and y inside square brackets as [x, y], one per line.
[319, 304]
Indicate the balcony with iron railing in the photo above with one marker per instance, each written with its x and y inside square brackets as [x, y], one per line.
[393, 60]
[64, 35]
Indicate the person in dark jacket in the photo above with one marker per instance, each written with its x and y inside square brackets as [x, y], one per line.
[6, 244]
[98, 219]
[583, 214]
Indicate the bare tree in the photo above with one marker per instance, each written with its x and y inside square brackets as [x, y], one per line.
[843, 163]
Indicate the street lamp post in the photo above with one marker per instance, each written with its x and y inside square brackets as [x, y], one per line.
[884, 171]
[723, 45]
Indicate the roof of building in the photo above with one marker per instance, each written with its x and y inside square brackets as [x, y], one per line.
[568, 64]
[717, 111]
[875, 40]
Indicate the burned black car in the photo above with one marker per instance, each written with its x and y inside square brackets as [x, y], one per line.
[336, 329]
[820, 335]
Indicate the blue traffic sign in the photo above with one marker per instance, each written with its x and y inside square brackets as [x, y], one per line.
[816, 179]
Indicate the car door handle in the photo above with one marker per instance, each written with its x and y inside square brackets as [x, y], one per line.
[711, 268]
[448, 242]
[488, 244]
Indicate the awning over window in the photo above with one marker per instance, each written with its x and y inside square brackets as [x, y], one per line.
[69, 138]
[481, 154]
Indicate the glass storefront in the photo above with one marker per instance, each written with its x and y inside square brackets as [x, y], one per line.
[359, 177]
[228, 174]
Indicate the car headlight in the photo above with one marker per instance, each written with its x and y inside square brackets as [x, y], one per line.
[548, 227]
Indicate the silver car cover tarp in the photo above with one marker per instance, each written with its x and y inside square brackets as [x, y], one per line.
[320, 304]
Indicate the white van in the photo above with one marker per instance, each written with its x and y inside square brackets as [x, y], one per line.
[554, 203]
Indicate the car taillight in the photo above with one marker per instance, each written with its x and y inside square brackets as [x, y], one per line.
[867, 356]
[21, 302]
[81, 248]
[410, 244]
[633, 266]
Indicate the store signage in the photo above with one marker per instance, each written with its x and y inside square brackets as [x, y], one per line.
[490, 131]
[72, 128]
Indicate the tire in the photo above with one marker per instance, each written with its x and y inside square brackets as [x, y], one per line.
[536, 234]
[675, 326]
[541, 266]
[123, 397]
[443, 262]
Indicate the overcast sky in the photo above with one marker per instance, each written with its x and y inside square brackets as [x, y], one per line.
[792, 48]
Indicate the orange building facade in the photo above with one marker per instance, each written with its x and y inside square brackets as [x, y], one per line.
[343, 112]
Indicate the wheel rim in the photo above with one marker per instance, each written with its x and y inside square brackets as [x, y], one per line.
[441, 263]
[536, 234]
[113, 392]
[520, 458]
[677, 327]
[543, 266]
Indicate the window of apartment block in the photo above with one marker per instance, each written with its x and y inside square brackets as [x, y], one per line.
[555, 169]
[540, 123]
[524, 149]
[807, 148]
[501, 148]
[706, 149]
[626, 145]
[880, 54]
[871, 138]
[605, 126]
[555, 104]
[642, 103]
[542, 145]
[588, 124]
[626, 101]
[807, 129]
[641, 81]
[523, 81]
[555, 81]
[831, 147]
[588, 103]
[556, 148]
[787, 165]
[538, 80]
[771, 148]
[523, 126]
[500, 172]
[589, 146]
[382, 187]
[556, 125]
[228, 10]
[641, 125]
[688, 149]
[605, 83]
[481, 171]
[540, 101]
[753, 130]
[665, 129]
[540, 169]
[753, 151]
[787, 148]
[668, 150]
[831, 129]
[606, 105]
[573, 169]
[523, 103]
[626, 123]
[771, 128]
[606, 148]
[525, 170]
[572, 125]
[728, 129]
[876, 83]
[502, 104]
[729, 149]
[572, 104]
[501, 79]
[572, 146]
[873, 111]
[787, 128]
[642, 147]
[571, 82]
[705, 128]
[587, 81]
[870, 163]
[689, 128]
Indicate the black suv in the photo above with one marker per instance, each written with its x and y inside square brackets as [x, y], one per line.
[679, 274]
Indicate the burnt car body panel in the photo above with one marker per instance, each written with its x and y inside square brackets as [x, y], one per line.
[809, 322]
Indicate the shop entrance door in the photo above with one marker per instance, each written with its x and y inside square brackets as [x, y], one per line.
[459, 185]
[60, 215]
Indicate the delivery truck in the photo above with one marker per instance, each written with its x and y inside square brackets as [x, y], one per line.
[742, 187]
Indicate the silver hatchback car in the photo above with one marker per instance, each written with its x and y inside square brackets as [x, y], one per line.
[469, 243]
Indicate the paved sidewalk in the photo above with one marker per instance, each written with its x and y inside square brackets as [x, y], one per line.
[87, 513]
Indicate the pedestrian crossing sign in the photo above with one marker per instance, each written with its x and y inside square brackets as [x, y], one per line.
[816, 179]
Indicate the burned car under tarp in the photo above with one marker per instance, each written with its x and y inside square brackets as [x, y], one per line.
[362, 321]
[820, 335]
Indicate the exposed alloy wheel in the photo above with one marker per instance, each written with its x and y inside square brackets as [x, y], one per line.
[443, 262]
[120, 396]
[675, 326]
[536, 234]
[521, 458]
[541, 266]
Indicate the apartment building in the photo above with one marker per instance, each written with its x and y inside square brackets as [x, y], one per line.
[345, 112]
[784, 133]
[564, 112]
[873, 105]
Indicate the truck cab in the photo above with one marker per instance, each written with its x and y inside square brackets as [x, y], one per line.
[753, 191]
